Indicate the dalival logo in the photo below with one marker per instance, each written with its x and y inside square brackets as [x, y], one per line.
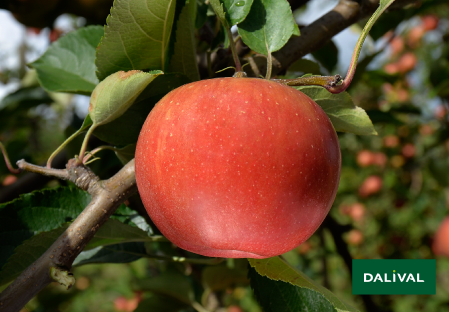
[393, 277]
[406, 277]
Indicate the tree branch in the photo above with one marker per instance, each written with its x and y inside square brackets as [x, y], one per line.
[107, 195]
[315, 35]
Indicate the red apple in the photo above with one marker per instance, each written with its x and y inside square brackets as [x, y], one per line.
[397, 45]
[237, 167]
[354, 237]
[440, 244]
[9, 179]
[380, 159]
[370, 186]
[430, 22]
[365, 158]
[127, 305]
[357, 211]
[391, 68]
[407, 62]
[415, 35]
[408, 150]
[391, 141]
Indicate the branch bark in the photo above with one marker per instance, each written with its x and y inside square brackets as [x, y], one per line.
[107, 195]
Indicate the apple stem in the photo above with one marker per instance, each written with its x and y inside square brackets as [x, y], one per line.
[7, 161]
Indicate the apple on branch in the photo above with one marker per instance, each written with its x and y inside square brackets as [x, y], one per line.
[237, 167]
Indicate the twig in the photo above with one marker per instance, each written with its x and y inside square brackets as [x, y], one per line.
[57, 173]
[107, 195]
[7, 161]
[29, 182]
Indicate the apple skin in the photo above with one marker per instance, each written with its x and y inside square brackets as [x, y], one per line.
[237, 167]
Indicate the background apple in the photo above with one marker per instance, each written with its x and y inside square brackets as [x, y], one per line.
[237, 167]
[430, 22]
[440, 244]
[371, 185]
[354, 237]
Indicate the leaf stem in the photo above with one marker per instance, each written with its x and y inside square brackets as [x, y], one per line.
[238, 66]
[98, 149]
[358, 47]
[62, 146]
[218, 9]
[7, 161]
[86, 140]
[269, 64]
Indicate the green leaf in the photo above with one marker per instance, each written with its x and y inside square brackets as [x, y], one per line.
[268, 26]
[24, 255]
[184, 57]
[220, 277]
[37, 212]
[25, 98]
[137, 36]
[280, 287]
[126, 154]
[125, 129]
[344, 115]
[171, 284]
[68, 65]
[86, 123]
[115, 94]
[120, 253]
[115, 232]
[31, 223]
[236, 10]
[128, 216]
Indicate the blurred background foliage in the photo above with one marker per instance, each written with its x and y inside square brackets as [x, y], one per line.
[393, 194]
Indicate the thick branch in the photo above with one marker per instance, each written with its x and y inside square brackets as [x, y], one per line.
[106, 197]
